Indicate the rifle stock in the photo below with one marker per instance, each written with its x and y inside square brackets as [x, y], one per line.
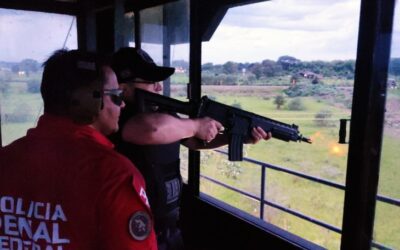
[238, 123]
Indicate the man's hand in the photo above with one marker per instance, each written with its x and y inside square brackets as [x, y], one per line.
[207, 129]
[258, 134]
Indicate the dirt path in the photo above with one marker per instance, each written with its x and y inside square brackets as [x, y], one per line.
[244, 90]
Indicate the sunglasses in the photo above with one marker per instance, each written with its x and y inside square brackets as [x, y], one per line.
[115, 95]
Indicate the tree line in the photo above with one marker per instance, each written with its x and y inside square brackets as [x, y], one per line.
[248, 73]
[290, 65]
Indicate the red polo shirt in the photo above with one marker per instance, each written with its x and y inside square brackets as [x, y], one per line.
[64, 187]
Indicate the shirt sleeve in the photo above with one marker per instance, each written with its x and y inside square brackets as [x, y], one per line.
[125, 221]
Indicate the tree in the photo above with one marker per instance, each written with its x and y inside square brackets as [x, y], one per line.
[315, 80]
[323, 118]
[33, 86]
[344, 68]
[207, 67]
[15, 68]
[256, 69]
[296, 104]
[394, 66]
[5, 76]
[279, 101]
[270, 68]
[217, 69]
[293, 80]
[230, 67]
[29, 65]
[287, 62]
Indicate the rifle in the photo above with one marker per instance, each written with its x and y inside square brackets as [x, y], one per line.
[238, 123]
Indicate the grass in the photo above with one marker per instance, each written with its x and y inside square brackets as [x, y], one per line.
[324, 158]
[390, 168]
[22, 104]
[387, 225]
[179, 78]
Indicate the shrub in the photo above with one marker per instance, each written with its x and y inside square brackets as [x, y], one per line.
[33, 86]
[267, 98]
[207, 79]
[310, 90]
[230, 80]
[230, 169]
[220, 79]
[4, 88]
[279, 101]
[22, 113]
[323, 118]
[296, 104]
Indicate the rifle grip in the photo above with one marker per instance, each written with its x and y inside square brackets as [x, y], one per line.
[235, 151]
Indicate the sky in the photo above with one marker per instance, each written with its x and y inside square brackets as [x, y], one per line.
[28, 34]
[305, 29]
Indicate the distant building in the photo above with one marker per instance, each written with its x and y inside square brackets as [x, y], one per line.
[180, 70]
[310, 75]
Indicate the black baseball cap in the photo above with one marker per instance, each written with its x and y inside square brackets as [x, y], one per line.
[132, 64]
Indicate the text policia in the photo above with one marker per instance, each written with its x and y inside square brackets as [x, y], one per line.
[30, 224]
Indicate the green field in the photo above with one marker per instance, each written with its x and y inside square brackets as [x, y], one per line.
[325, 158]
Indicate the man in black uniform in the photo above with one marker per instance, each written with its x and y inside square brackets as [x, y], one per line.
[152, 140]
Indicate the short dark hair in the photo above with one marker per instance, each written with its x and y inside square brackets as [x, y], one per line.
[65, 72]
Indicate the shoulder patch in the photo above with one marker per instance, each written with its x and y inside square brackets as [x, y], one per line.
[140, 225]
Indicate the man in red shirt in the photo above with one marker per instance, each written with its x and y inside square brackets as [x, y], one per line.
[62, 186]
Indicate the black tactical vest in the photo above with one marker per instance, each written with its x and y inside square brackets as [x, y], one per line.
[159, 165]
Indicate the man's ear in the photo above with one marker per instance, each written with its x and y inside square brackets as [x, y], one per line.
[124, 86]
[128, 93]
